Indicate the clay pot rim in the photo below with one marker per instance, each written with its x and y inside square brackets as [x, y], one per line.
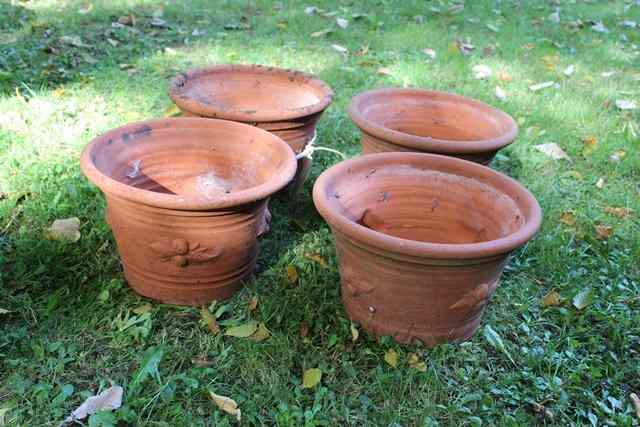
[329, 208]
[196, 107]
[116, 188]
[424, 143]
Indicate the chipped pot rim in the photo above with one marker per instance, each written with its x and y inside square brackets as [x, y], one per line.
[243, 114]
[113, 187]
[330, 209]
[425, 143]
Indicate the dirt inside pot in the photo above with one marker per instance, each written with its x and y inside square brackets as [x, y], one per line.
[428, 117]
[184, 162]
[429, 206]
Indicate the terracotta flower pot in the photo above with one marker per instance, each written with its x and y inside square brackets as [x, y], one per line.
[431, 122]
[422, 240]
[284, 102]
[186, 200]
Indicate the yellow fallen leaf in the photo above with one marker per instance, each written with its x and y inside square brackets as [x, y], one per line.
[391, 357]
[253, 304]
[623, 213]
[568, 218]
[317, 258]
[416, 363]
[292, 274]
[551, 61]
[209, 320]
[311, 377]
[226, 404]
[242, 331]
[551, 299]
[603, 232]
[354, 333]
[144, 308]
[590, 143]
[261, 334]
[172, 111]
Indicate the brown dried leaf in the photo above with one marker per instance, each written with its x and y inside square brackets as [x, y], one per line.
[603, 232]
[253, 304]
[551, 299]
[226, 404]
[568, 217]
[623, 213]
[590, 144]
[552, 150]
[209, 320]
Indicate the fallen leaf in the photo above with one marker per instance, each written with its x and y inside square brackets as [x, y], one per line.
[465, 48]
[623, 104]
[172, 111]
[493, 28]
[385, 71]
[617, 155]
[500, 93]
[311, 377]
[321, 33]
[310, 10]
[158, 23]
[430, 53]
[494, 339]
[551, 299]
[590, 143]
[113, 42]
[342, 23]
[227, 405]
[583, 298]
[129, 20]
[542, 410]
[343, 50]
[504, 76]
[635, 401]
[84, 9]
[317, 258]
[209, 320]
[242, 331]
[551, 61]
[623, 213]
[292, 274]
[552, 150]
[569, 70]
[108, 400]
[142, 309]
[540, 86]
[354, 333]
[65, 230]
[481, 72]
[600, 183]
[629, 24]
[416, 363]
[603, 232]
[391, 357]
[568, 218]
[253, 304]
[3, 311]
[304, 329]
[599, 27]
[73, 41]
[261, 333]
[608, 74]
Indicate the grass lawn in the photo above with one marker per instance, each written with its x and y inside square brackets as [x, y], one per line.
[70, 327]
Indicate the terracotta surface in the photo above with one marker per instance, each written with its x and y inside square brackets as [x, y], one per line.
[432, 122]
[285, 102]
[185, 200]
[422, 240]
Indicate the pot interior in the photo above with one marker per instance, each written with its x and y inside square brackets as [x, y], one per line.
[251, 90]
[427, 205]
[193, 161]
[435, 115]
